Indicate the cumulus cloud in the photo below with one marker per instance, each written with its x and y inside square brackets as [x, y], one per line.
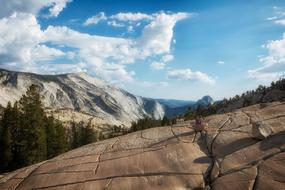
[280, 21]
[20, 41]
[167, 58]
[134, 17]
[130, 29]
[279, 16]
[8, 7]
[273, 64]
[108, 56]
[157, 65]
[188, 74]
[157, 35]
[24, 45]
[97, 52]
[95, 19]
[115, 24]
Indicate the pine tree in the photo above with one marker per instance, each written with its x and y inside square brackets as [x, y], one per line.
[55, 136]
[61, 138]
[33, 141]
[5, 138]
[16, 136]
[50, 137]
[75, 135]
[165, 121]
[87, 134]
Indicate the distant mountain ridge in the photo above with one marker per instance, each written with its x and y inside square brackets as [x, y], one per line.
[78, 94]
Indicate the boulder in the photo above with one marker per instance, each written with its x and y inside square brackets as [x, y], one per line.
[260, 131]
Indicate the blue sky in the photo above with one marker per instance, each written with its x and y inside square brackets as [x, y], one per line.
[163, 49]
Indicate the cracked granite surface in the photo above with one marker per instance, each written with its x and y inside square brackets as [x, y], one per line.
[226, 157]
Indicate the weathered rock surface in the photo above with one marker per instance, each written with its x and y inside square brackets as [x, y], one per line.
[260, 131]
[227, 157]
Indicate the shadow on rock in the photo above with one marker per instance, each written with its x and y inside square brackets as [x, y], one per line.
[203, 160]
[274, 141]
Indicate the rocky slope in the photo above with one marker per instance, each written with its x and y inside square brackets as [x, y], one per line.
[80, 96]
[227, 157]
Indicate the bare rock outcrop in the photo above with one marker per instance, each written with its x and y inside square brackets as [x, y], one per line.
[227, 157]
[260, 131]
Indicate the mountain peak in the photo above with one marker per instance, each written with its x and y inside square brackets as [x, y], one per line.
[90, 79]
[207, 98]
[205, 101]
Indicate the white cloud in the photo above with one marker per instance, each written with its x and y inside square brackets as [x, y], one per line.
[57, 6]
[21, 47]
[97, 52]
[273, 64]
[272, 18]
[221, 62]
[157, 65]
[130, 29]
[188, 74]
[157, 36]
[8, 7]
[95, 19]
[25, 46]
[131, 16]
[280, 21]
[279, 16]
[44, 53]
[115, 24]
[167, 58]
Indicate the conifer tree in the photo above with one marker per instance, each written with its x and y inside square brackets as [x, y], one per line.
[33, 141]
[15, 129]
[75, 135]
[165, 121]
[61, 138]
[55, 137]
[5, 138]
[87, 134]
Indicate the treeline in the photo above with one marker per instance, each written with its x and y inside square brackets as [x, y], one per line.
[28, 135]
[82, 134]
[147, 123]
[246, 99]
[203, 111]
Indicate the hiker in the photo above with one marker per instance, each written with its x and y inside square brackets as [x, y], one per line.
[199, 126]
[198, 122]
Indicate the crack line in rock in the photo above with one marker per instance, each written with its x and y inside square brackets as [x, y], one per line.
[122, 176]
[218, 132]
[108, 184]
[251, 164]
[207, 176]
[33, 171]
[156, 149]
[177, 137]
[99, 157]
[256, 178]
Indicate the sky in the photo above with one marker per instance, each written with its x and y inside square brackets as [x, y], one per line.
[161, 49]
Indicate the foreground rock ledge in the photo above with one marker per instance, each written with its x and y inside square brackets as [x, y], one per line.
[227, 157]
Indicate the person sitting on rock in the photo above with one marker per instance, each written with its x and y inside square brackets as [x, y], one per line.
[199, 126]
